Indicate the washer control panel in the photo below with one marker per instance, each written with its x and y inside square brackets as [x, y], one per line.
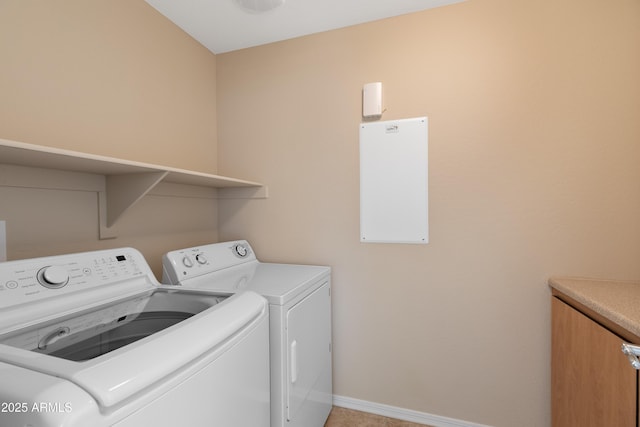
[39, 278]
[192, 262]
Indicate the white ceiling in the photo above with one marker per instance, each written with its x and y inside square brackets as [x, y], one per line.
[223, 26]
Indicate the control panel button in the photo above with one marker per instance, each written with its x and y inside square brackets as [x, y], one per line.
[241, 251]
[201, 259]
[186, 261]
[53, 277]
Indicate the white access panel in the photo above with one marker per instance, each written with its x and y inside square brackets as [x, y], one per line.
[394, 181]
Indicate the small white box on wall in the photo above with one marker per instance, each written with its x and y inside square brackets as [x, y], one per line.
[372, 100]
[394, 181]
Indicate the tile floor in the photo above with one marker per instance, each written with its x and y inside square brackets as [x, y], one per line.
[342, 417]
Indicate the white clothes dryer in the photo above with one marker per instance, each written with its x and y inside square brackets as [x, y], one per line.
[299, 315]
[92, 339]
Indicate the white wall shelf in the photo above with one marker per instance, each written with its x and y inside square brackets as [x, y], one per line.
[120, 183]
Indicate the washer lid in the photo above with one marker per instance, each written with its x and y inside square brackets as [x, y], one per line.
[119, 374]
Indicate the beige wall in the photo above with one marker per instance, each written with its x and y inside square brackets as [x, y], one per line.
[534, 115]
[108, 77]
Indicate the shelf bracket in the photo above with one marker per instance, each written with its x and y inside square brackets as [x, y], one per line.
[122, 192]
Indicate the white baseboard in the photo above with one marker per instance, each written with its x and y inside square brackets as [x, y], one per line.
[400, 413]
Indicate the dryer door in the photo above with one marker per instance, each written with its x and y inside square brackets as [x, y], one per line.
[309, 351]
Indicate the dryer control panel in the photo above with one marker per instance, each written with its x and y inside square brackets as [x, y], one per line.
[193, 262]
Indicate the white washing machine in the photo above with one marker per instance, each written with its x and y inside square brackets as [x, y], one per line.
[92, 339]
[299, 314]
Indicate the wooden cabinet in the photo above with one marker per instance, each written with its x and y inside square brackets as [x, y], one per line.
[593, 384]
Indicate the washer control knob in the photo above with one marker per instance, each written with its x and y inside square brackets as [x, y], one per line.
[53, 277]
[241, 251]
[201, 259]
[186, 261]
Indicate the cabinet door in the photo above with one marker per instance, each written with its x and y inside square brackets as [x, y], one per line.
[592, 383]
